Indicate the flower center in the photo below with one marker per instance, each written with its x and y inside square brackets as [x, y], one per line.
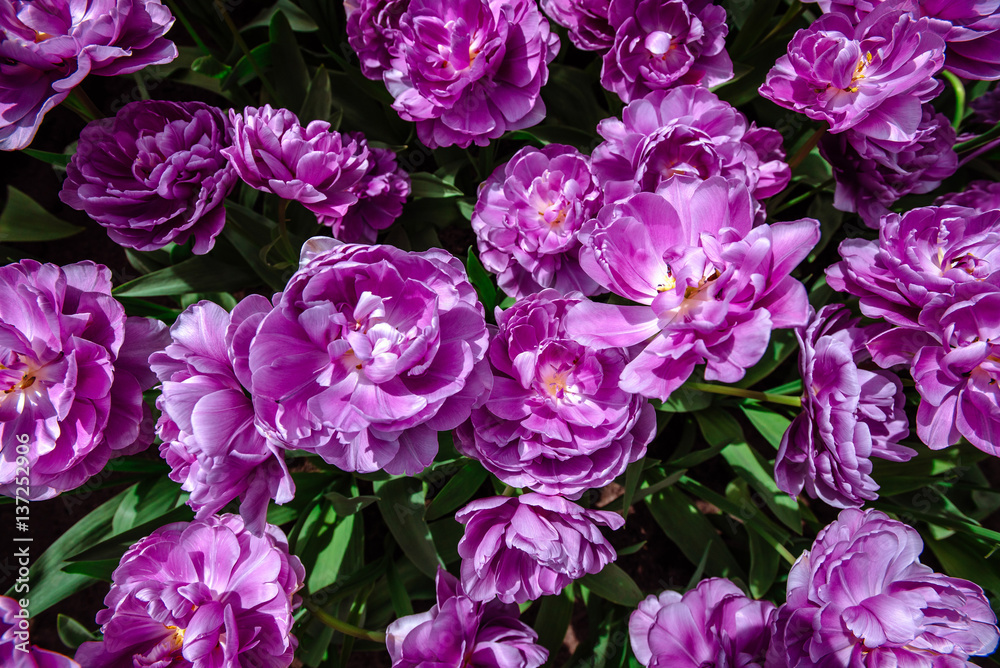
[859, 72]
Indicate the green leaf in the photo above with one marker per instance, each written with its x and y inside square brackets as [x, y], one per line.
[97, 570]
[57, 159]
[201, 273]
[318, 105]
[298, 20]
[49, 584]
[720, 427]
[457, 491]
[685, 400]
[754, 26]
[324, 544]
[963, 557]
[210, 66]
[691, 531]
[243, 72]
[397, 590]
[763, 565]
[71, 632]
[290, 76]
[482, 282]
[401, 502]
[615, 585]
[24, 220]
[554, 616]
[424, 184]
[344, 506]
[771, 425]
[113, 548]
[633, 476]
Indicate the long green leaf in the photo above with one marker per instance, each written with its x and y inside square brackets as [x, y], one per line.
[401, 502]
[692, 532]
[457, 491]
[198, 274]
[615, 585]
[24, 220]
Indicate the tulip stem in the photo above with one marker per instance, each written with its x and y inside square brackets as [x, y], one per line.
[959, 89]
[347, 629]
[240, 42]
[807, 148]
[176, 11]
[782, 399]
[81, 104]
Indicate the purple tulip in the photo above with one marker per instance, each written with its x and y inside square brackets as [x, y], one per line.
[850, 413]
[272, 152]
[958, 377]
[986, 108]
[72, 373]
[371, 29]
[380, 194]
[662, 43]
[907, 276]
[47, 48]
[714, 624]
[871, 177]
[387, 347]
[688, 132]
[198, 594]
[528, 217]
[470, 70]
[459, 631]
[710, 286]
[978, 195]
[970, 27]
[15, 652]
[861, 597]
[520, 548]
[586, 21]
[207, 423]
[154, 174]
[871, 77]
[556, 421]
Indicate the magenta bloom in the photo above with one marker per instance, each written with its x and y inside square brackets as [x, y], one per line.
[850, 413]
[909, 275]
[371, 26]
[520, 548]
[710, 286]
[387, 347]
[272, 152]
[861, 597]
[154, 174]
[714, 624]
[556, 421]
[207, 423]
[871, 177]
[690, 132]
[978, 195]
[72, 373]
[871, 77]
[970, 28]
[47, 48]
[470, 70]
[661, 43]
[15, 652]
[202, 593]
[380, 194]
[528, 217]
[586, 21]
[986, 107]
[958, 378]
[459, 631]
